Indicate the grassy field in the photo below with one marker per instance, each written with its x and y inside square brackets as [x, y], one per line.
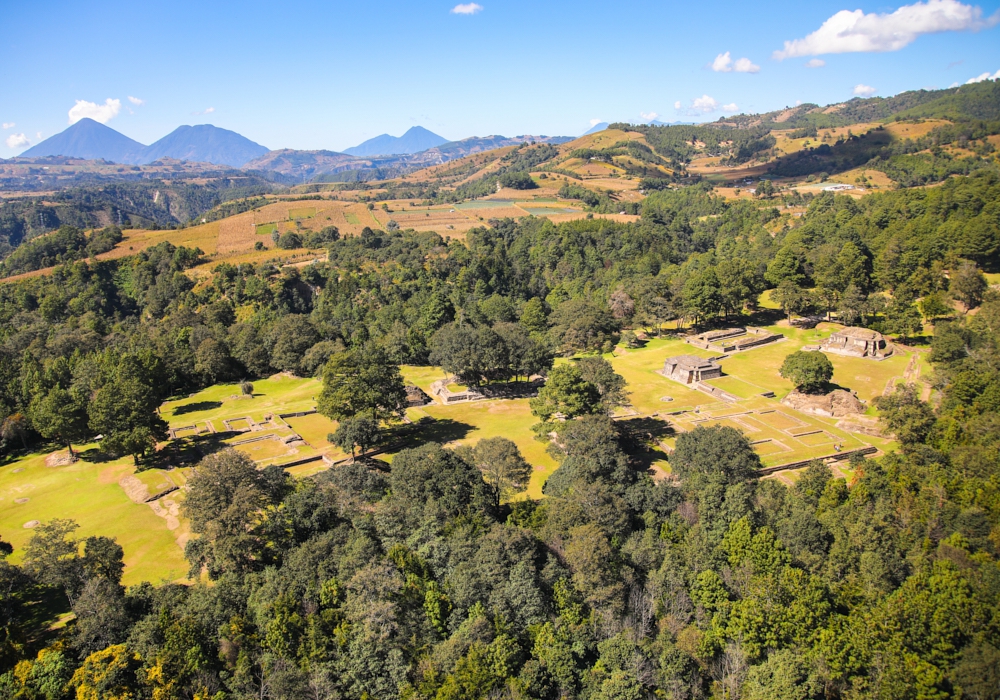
[781, 434]
[278, 394]
[302, 213]
[467, 423]
[88, 492]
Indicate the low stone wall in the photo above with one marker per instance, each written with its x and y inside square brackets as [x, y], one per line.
[297, 414]
[715, 391]
[836, 457]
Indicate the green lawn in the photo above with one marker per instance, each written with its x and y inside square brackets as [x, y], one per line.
[266, 229]
[467, 423]
[88, 492]
[737, 387]
[648, 388]
[279, 394]
[422, 377]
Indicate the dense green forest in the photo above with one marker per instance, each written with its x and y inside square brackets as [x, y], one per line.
[416, 580]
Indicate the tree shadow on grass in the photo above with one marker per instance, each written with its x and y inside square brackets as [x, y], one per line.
[647, 429]
[428, 430]
[644, 460]
[196, 406]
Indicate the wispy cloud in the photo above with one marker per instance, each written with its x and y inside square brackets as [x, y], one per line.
[466, 8]
[724, 63]
[203, 112]
[862, 90]
[648, 116]
[99, 113]
[136, 101]
[8, 125]
[595, 122]
[856, 32]
[731, 107]
[815, 63]
[978, 79]
[677, 104]
[17, 141]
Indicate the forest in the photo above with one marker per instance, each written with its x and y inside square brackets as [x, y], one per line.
[422, 578]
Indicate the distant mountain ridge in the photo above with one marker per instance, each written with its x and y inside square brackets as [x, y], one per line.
[202, 143]
[415, 140]
[309, 165]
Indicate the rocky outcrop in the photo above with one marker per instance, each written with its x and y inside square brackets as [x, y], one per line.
[836, 404]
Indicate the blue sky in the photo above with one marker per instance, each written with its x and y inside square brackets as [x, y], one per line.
[311, 75]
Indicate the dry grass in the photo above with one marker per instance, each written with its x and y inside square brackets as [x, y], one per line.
[915, 129]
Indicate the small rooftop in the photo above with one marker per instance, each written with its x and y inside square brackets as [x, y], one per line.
[859, 333]
[692, 362]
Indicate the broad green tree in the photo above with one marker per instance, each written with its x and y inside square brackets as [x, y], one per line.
[808, 371]
[124, 412]
[59, 416]
[968, 285]
[359, 432]
[362, 381]
[503, 468]
[566, 392]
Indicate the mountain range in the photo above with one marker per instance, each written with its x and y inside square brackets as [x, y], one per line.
[203, 143]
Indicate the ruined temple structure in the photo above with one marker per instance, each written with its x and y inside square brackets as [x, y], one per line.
[858, 342]
[736, 339]
[688, 369]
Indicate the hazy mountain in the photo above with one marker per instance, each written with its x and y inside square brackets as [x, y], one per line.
[88, 139]
[206, 144]
[596, 127]
[305, 164]
[478, 144]
[415, 140]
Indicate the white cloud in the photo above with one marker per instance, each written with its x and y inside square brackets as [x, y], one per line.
[731, 107]
[8, 125]
[970, 81]
[724, 63]
[648, 116]
[704, 104]
[99, 113]
[677, 104]
[862, 90]
[38, 135]
[466, 8]
[136, 101]
[815, 63]
[204, 111]
[595, 122]
[17, 141]
[852, 32]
